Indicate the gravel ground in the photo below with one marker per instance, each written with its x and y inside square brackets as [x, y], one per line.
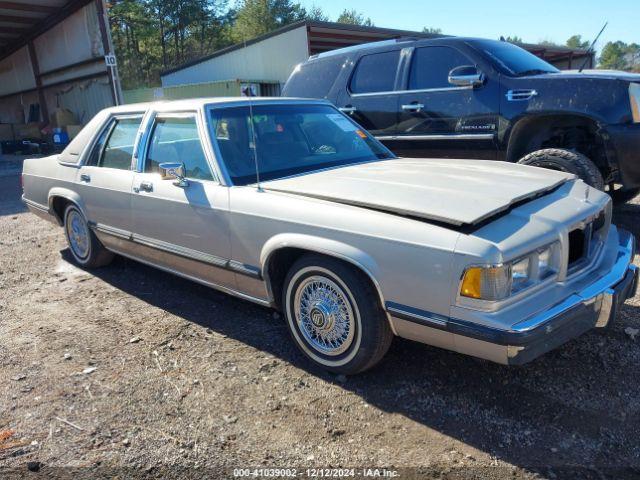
[129, 367]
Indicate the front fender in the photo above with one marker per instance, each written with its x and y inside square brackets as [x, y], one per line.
[325, 246]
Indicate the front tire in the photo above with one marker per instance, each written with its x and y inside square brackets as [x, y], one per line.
[334, 315]
[85, 247]
[620, 196]
[566, 161]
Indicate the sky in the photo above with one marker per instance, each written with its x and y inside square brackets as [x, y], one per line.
[533, 21]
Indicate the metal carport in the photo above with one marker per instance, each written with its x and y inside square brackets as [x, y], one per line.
[52, 56]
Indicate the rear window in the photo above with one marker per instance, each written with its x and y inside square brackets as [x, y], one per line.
[375, 73]
[313, 79]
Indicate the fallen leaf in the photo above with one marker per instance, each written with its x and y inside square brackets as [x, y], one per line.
[632, 332]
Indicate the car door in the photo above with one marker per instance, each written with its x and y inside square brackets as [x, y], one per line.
[369, 96]
[438, 119]
[105, 178]
[181, 228]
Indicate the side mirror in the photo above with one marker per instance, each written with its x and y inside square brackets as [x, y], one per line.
[174, 170]
[466, 76]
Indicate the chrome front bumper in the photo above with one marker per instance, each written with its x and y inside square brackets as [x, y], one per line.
[595, 305]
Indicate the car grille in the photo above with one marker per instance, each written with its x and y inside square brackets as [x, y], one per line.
[583, 242]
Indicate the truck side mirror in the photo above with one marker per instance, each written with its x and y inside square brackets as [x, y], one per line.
[466, 76]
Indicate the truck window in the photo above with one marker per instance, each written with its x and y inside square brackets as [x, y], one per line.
[313, 79]
[375, 73]
[430, 67]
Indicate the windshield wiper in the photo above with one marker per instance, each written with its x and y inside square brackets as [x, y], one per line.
[533, 71]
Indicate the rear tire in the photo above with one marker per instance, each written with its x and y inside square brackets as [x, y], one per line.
[86, 249]
[334, 315]
[566, 161]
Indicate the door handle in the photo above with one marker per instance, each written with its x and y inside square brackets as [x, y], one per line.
[85, 178]
[413, 107]
[348, 109]
[144, 187]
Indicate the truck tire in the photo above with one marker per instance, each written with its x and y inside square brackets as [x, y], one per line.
[620, 196]
[566, 161]
[334, 315]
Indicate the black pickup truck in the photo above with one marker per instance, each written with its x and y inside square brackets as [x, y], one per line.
[472, 98]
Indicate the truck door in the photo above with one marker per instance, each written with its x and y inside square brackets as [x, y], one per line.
[369, 96]
[440, 120]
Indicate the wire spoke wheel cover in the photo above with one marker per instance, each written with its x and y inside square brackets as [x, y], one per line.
[324, 315]
[78, 234]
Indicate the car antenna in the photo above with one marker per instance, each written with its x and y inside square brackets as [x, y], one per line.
[590, 49]
[253, 130]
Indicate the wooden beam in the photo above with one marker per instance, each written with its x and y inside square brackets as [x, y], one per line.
[27, 7]
[17, 19]
[44, 111]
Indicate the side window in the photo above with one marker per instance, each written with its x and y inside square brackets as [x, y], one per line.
[114, 147]
[430, 67]
[375, 73]
[176, 139]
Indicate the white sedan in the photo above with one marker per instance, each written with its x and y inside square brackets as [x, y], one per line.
[292, 205]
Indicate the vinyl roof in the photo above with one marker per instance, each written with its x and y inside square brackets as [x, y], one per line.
[23, 20]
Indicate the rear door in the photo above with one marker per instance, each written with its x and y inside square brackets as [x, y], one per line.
[369, 96]
[105, 178]
[186, 228]
[438, 119]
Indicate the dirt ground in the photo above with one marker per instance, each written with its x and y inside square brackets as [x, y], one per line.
[127, 371]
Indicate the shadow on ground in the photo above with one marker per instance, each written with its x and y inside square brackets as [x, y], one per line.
[549, 412]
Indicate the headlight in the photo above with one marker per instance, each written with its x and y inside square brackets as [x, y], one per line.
[634, 99]
[497, 282]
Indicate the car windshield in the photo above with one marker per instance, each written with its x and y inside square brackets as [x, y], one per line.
[513, 60]
[288, 139]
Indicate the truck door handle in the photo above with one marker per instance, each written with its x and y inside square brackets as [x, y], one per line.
[85, 178]
[413, 107]
[348, 109]
[144, 187]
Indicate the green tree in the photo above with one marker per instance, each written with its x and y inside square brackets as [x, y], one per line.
[431, 30]
[317, 14]
[620, 56]
[257, 17]
[613, 56]
[152, 35]
[352, 17]
[513, 39]
[575, 41]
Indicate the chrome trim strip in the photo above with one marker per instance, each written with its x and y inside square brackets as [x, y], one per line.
[400, 92]
[227, 264]
[116, 232]
[417, 316]
[36, 205]
[244, 269]
[452, 136]
[180, 251]
[228, 290]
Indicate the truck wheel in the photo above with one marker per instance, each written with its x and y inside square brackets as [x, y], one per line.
[85, 247]
[620, 196]
[334, 315]
[566, 161]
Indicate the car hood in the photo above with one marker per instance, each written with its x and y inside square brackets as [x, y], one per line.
[456, 192]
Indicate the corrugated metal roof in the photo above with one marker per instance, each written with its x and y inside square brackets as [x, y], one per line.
[23, 20]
